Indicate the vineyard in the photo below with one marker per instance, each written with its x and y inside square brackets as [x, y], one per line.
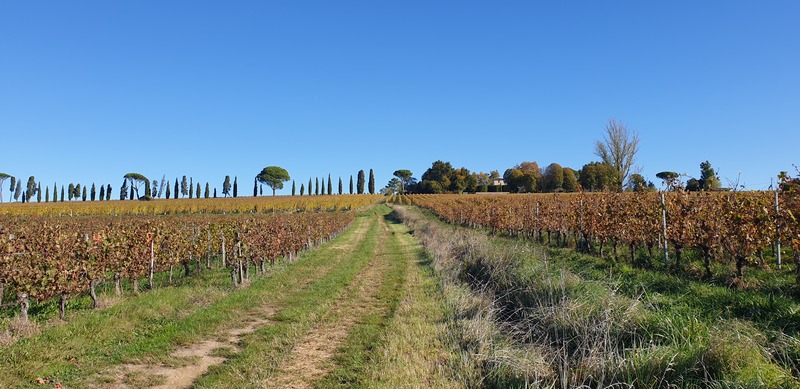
[190, 206]
[740, 226]
[47, 257]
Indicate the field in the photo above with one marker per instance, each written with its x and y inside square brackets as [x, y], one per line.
[414, 291]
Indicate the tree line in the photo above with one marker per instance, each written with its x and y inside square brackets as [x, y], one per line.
[136, 186]
[614, 172]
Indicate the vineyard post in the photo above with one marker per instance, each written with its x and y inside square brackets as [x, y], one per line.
[223, 250]
[777, 234]
[583, 241]
[152, 263]
[664, 229]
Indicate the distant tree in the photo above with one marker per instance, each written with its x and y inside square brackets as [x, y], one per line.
[215, 192]
[197, 191]
[226, 186]
[637, 183]
[294, 188]
[523, 178]
[708, 177]
[570, 181]
[77, 193]
[207, 192]
[167, 193]
[395, 185]
[184, 187]
[404, 175]
[437, 179]
[39, 192]
[47, 194]
[330, 186]
[340, 185]
[154, 193]
[123, 191]
[618, 149]
[148, 189]
[322, 186]
[371, 183]
[672, 180]
[693, 185]
[3, 177]
[131, 196]
[83, 195]
[18, 190]
[360, 182]
[136, 180]
[316, 186]
[274, 177]
[597, 177]
[71, 191]
[255, 186]
[552, 178]
[302, 189]
[103, 192]
[94, 192]
[235, 186]
[55, 192]
[31, 189]
[191, 187]
[310, 187]
[62, 193]
[351, 184]
[11, 187]
[108, 193]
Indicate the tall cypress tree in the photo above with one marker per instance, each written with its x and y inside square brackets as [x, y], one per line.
[168, 192]
[330, 187]
[340, 185]
[55, 192]
[302, 189]
[47, 194]
[123, 192]
[198, 190]
[235, 186]
[184, 187]
[310, 187]
[71, 191]
[102, 192]
[215, 192]
[108, 192]
[316, 186]
[132, 193]
[175, 195]
[293, 188]
[226, 186]
[322, 187]
[255, 187]
[207, 193]
[94, 192]
[83, 195]
[371, 182]
[360, 183]
[62, 193]
[191, 187]
[39, 192]
[351, 184]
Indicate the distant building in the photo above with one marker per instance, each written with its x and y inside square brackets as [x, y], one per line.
[498, 182]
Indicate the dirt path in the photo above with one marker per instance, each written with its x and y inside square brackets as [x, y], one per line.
[183, 366]
[310, 358]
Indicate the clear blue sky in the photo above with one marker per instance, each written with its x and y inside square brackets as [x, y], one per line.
[91, 90]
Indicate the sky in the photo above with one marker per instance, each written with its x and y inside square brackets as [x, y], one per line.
[91, 90]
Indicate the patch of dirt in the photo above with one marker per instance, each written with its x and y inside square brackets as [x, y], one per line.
[190, 362]
[310, 358]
